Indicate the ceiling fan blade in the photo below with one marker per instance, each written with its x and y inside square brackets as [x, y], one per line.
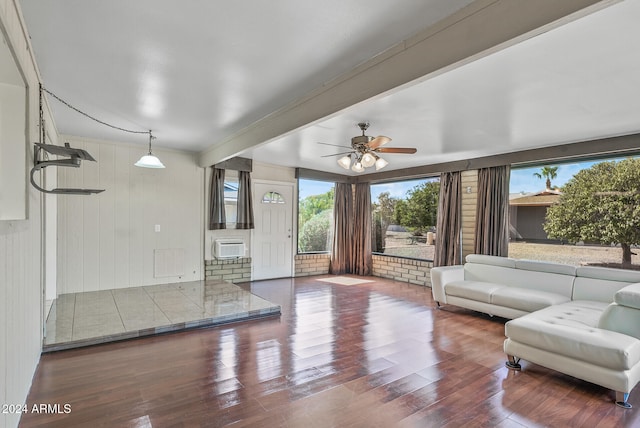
[336, 154]
[334, 145]
[404, 150]
[378, 142]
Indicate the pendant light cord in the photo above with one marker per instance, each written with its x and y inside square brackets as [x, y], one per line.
[42, 88]
[151, 137]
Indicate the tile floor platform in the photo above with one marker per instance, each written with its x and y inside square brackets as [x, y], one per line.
[84, 319]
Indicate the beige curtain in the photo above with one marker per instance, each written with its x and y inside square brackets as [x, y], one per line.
[217, 219]
[340, 261]
[245, 204]
[362, 262]
[492, 211]
[448, 249]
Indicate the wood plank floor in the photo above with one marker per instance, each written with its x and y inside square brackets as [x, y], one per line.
[369, 355]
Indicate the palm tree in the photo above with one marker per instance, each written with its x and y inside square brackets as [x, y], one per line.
[548, 172]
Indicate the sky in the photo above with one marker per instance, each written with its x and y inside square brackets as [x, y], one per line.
[522, 180]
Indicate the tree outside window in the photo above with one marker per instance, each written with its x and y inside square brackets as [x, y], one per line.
[404, 218]
[315, 216]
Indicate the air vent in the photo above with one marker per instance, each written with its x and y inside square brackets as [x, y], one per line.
[228, 248]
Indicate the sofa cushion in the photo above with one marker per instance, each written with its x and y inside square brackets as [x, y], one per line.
[491, 260]
[473, 290]
[601, 284]
[549, 267]
[490, 273]
[526, 299]
[570, 329]
[609, 274]
[628, 296]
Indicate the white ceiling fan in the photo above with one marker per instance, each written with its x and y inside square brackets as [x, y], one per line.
[365, 149]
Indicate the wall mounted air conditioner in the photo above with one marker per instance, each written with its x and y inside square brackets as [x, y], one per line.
[228, 248]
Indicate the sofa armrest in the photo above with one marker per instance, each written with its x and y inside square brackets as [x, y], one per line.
[623, 316]
[621, 319]
[441, 276]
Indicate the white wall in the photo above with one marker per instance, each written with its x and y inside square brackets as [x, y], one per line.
[21, 250]
[13, 192]
[107, 240]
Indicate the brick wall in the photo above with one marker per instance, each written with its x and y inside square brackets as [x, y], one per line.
[401, 269]
[312, 264]
[232, 270]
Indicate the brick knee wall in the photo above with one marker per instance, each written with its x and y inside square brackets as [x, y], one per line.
[312, 264]
[402, 269]
[232, 270]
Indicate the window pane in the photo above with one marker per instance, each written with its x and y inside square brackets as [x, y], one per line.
[315, 216]
[231, 199]
[404, 217]
[583, 213]
[272, 198]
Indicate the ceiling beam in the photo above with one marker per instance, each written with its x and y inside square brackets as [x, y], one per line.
[478, 30]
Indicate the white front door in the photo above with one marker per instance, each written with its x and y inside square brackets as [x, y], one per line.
[272, 244]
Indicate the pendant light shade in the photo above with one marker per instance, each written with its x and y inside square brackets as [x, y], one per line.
[345, 161]
[149, 160]
[368, 159]
[357, 167]
[381, 163]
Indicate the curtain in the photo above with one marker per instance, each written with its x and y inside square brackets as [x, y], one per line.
[362, 261]
[245, 204]
[217, 219]
[340, 261]
[448, 248]
[492, 211]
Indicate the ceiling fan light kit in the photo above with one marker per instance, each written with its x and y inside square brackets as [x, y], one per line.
[365, 151]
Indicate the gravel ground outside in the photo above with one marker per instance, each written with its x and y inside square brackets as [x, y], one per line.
[400, 245]
[571, 254]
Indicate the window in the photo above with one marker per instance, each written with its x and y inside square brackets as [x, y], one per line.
[231, 199]
[577, 213]
[272, 198]
[404, 218]
[315, 215]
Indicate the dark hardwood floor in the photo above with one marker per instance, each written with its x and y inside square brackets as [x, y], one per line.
[369, 355]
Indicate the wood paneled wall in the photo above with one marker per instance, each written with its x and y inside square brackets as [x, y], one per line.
[21, 244]
[107, 240]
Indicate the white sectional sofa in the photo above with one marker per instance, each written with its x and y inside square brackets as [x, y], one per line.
[583, 321]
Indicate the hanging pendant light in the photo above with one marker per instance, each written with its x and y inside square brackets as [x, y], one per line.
[149, 160]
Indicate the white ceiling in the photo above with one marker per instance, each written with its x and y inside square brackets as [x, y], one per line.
[197, 73]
